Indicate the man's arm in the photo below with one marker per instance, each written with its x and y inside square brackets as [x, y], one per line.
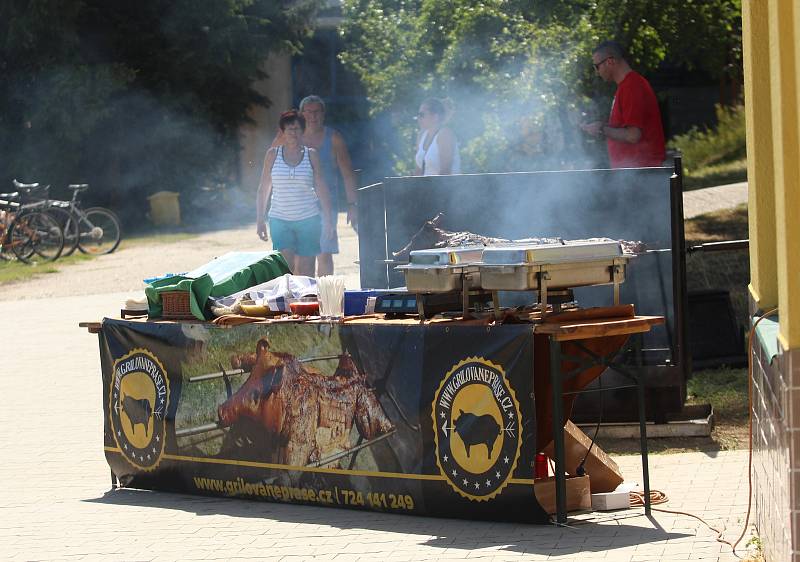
[346, 169]
[631, 135]
[323, 193]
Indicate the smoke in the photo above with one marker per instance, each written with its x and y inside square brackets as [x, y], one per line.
[522, 114]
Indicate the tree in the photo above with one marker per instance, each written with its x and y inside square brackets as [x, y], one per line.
[519, 70]
[134, 97]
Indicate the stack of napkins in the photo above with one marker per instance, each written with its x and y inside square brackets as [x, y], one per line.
[137, 303]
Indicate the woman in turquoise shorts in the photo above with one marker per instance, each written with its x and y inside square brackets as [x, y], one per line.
[293, 189]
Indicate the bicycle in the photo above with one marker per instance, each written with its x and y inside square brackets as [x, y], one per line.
[94, 231]
[99, 229]
[32, 235]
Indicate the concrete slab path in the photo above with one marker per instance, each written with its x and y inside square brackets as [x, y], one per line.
[710, 199]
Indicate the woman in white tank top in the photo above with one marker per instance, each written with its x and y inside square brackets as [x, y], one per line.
[437, 148]
[293, 188]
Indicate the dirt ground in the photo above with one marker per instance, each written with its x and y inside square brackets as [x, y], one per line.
[124, 270]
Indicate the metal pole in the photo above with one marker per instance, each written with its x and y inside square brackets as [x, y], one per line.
[558, 430]
[679, 296]
[640, 385]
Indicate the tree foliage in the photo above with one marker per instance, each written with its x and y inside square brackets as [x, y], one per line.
[519, 71]
[134, 97]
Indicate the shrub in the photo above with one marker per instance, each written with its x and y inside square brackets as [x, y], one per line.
[705, 148]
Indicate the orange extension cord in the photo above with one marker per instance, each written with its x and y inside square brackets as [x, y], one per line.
[656, 497]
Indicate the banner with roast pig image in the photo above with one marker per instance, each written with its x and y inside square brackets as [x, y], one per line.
[399, 418]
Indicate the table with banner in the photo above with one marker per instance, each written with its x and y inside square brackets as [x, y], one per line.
[440, 418]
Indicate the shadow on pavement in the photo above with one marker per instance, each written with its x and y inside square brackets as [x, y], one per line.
[603, 532]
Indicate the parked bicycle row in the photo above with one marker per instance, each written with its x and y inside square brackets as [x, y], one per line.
[35, 228]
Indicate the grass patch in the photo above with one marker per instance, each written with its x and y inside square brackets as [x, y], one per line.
[717, 174]
[726, 391]
[15, 271]
[727, 224]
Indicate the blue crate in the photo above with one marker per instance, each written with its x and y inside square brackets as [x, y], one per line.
[355, 301]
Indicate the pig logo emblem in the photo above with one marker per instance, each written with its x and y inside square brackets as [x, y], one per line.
[476, 423]
[138, 398]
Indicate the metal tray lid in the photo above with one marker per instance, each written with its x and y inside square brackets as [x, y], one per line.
[569, 251]
[460, 255]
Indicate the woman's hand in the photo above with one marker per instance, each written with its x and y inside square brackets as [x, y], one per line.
[261, 230]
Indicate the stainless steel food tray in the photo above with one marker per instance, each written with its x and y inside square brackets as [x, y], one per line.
[552, 266]
[583, 250]
[439, 278]
[538, 277]
[452, 255]
[438, 270]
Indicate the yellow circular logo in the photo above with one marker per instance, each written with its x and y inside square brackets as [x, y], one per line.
[139, 395]
[476, 420]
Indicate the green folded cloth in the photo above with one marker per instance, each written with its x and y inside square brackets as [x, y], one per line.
[228, 274]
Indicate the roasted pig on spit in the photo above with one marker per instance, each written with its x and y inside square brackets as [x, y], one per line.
[309, 414]
[431, 235]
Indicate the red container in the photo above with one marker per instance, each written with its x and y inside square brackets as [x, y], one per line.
[540, 466]
[305, 308]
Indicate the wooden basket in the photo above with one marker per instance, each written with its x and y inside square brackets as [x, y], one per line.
[175, 305]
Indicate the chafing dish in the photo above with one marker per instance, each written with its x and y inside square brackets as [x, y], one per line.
[442, 269]
[553, 266]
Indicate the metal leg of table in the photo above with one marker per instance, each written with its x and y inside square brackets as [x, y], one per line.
[640, 385]
[558, 431]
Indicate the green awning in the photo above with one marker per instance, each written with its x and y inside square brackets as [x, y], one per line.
[767, 336]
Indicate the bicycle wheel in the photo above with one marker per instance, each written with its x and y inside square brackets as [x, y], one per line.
[69, 225]
[100, 231]
[35, 237]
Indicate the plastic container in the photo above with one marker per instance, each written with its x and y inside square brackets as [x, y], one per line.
[355, 301]
[304, 308]
[165, 210]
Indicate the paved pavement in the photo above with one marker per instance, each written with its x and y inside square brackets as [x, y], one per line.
[57, 503]
[712, 199]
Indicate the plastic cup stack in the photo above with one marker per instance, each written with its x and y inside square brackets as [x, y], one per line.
[331, 296]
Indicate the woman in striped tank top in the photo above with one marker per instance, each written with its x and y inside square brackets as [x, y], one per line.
[293, 189]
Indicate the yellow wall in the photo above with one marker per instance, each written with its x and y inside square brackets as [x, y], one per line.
[772, 82]
[760, 170]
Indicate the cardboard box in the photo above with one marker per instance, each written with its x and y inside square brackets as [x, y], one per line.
[579, 497]
[602, 469]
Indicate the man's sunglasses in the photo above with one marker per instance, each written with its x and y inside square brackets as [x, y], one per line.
[599, 64]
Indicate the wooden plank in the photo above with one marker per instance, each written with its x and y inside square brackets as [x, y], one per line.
[594, 313]
[599, 328]
[92, 327]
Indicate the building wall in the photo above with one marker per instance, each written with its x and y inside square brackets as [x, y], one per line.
[255, 138]
[771, 29]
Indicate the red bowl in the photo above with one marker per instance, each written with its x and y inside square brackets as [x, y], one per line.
[310, 308]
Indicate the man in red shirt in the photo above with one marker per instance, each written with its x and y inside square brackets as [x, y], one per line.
[634, 134]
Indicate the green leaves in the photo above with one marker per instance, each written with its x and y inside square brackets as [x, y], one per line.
[134, 97]
[518, 71]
